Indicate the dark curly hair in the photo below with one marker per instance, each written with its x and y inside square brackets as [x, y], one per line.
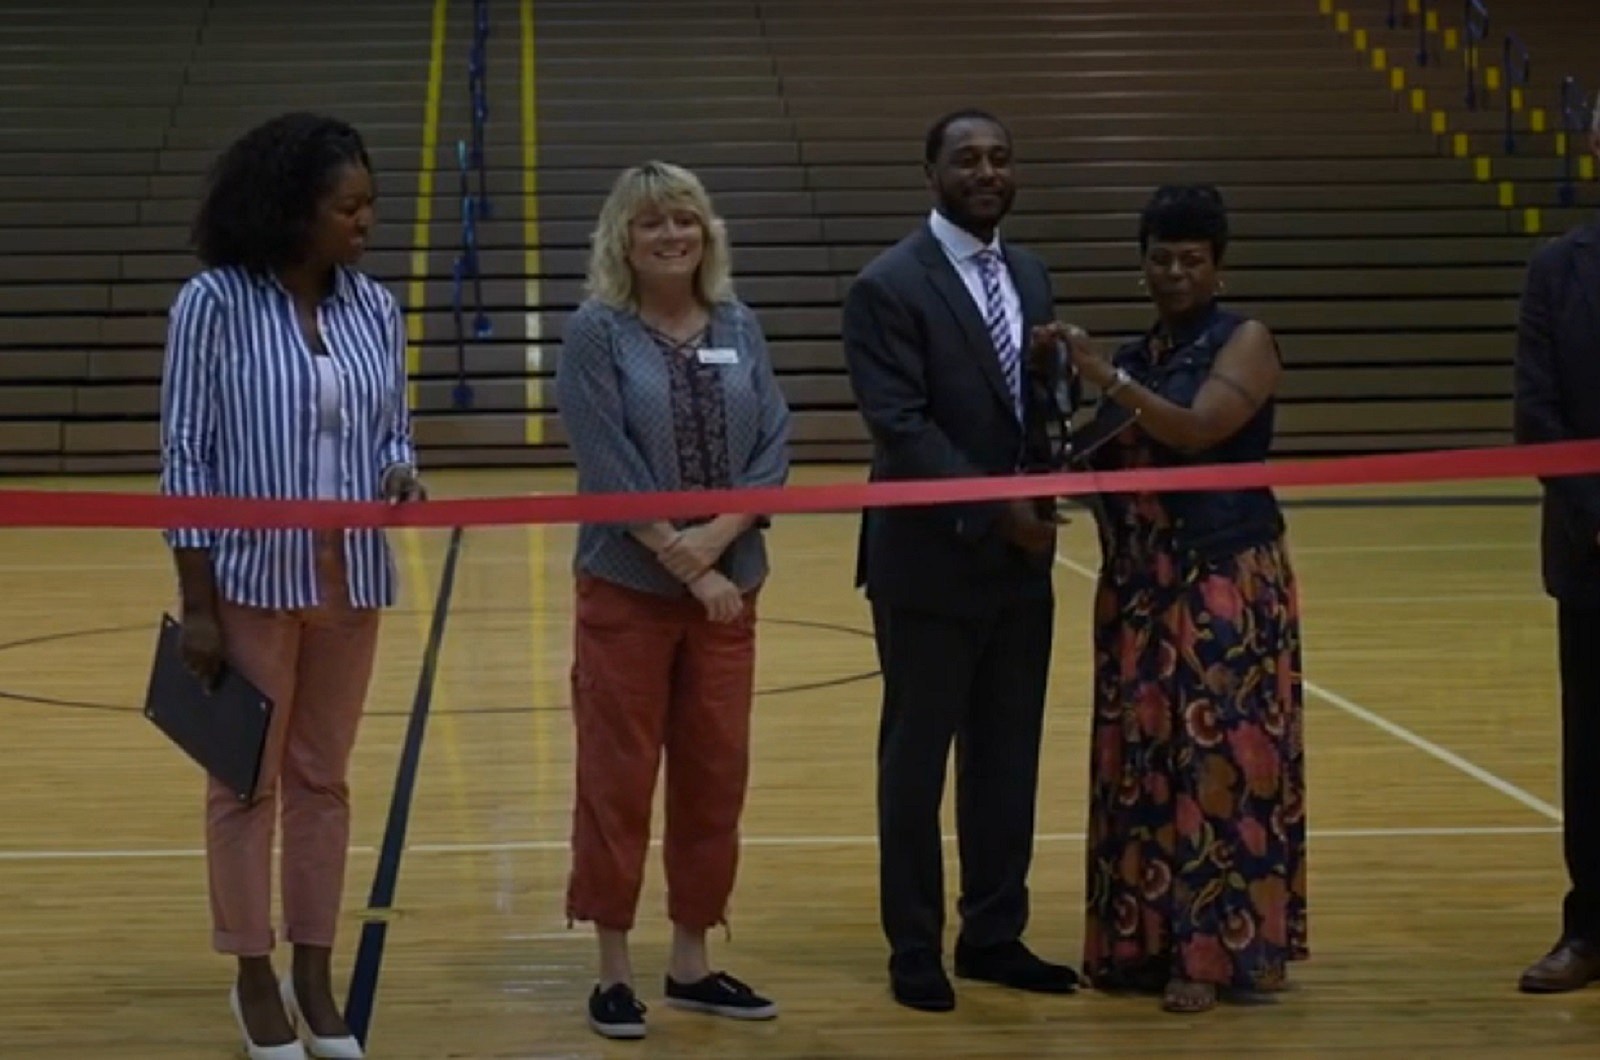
[261, 197]
[1185, 212]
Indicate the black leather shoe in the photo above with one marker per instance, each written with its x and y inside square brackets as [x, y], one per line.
[1013, 964]
[1572, 965]
[918, 981]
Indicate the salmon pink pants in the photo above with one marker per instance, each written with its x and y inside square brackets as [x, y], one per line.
[651, 675]
[315, 665]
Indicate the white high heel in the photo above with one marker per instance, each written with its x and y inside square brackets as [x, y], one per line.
[341, 1048]
[286, 1051]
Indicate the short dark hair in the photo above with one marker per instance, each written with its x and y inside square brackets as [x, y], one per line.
[936, 132]
[1183, 212]
[261, 195]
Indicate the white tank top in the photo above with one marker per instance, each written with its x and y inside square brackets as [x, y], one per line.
[328, 428]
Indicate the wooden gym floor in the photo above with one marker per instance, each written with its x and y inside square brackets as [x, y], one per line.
[1432, 728]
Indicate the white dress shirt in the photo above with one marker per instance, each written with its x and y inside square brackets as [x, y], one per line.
[963, 248]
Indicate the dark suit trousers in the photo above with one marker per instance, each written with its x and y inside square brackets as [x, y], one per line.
[979, 682]
[1580, 768]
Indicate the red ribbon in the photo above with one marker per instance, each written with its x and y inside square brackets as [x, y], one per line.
[56, 508]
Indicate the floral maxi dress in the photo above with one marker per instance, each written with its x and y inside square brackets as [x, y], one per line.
[1197, 830]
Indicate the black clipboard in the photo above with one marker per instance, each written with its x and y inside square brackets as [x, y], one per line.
[1096, 435]
[223, 729]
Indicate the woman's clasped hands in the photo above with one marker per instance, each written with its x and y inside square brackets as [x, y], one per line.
[691, 556]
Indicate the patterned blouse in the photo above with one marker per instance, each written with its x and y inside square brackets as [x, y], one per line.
[699, 416]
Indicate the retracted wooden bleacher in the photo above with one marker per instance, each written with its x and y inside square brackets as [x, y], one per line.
[1387, 267]
[113, 113]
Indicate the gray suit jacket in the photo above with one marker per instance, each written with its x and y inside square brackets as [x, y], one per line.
[929, 385]
[1558, 399]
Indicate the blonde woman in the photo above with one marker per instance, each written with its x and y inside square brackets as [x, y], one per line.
[664, 383]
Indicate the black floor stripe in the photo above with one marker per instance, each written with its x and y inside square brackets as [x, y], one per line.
[375, 925]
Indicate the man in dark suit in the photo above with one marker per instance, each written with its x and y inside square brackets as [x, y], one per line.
[936, 331]
[1558, 399]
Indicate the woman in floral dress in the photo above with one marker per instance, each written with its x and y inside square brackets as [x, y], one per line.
[1196, 840]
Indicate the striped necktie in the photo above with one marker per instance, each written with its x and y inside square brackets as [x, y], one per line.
[1005, 343]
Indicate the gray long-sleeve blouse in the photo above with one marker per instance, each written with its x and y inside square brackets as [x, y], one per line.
[637, 421]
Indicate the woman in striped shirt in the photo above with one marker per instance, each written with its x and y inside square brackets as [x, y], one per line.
[285, 379]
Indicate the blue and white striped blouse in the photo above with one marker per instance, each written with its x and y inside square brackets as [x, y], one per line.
[239, 418]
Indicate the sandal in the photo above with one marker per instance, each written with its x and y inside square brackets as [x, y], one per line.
[1273, 983]
[1188, 997]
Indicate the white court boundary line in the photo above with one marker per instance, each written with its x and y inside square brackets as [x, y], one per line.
[1339, 702]
[1451, 546]
[779, 841]
[1399, 732]
[534, 356]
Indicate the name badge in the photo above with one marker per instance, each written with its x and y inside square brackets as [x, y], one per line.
[718, 355]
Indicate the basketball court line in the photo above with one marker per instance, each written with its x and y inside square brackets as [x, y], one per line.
[775, 841]
[374, 928]
[1399, 732]
[1456, 546]
[165, 563]
[1438, 598]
